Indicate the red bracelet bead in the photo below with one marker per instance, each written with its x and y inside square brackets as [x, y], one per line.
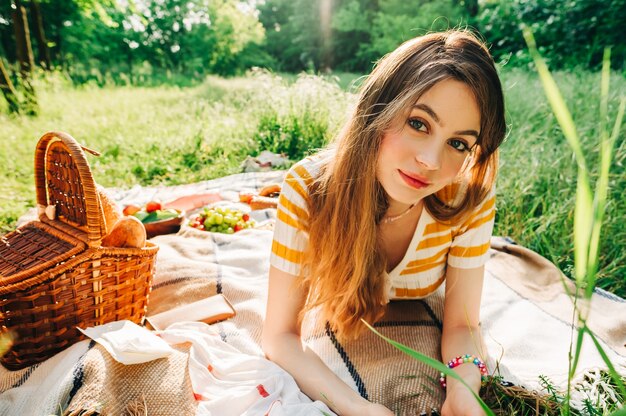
[462, 359]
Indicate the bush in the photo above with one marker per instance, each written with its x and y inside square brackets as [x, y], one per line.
[569, 33]
[295, 136]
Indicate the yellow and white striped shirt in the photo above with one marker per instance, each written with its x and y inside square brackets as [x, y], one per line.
[422, 270]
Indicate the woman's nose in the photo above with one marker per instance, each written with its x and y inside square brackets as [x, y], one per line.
[429, 156]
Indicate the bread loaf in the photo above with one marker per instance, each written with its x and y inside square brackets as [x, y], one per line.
[112, 212]
[127, 232]
[263, 202]
[270, 189]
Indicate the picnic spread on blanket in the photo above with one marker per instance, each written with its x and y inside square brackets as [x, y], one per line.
[204, 296]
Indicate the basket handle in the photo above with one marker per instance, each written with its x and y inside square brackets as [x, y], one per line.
[94, 217]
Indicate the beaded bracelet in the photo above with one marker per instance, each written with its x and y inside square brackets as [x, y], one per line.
[462, 359]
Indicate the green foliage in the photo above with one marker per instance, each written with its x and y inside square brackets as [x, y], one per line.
[127, 42]
[396, 21]
[295, 136]
[151, 41]
[569, 33]
[353, 36]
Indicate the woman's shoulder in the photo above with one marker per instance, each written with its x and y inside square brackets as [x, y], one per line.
[454, 193]
[309, 168]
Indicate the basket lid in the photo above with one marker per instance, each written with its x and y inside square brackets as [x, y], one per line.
[66, 189]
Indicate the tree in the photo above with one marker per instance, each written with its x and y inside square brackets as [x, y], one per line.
[25, 58]
[361, 31]
[397, 21]
[23, 47]
[42, 43]
[352, 24]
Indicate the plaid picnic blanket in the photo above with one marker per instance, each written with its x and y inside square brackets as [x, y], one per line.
[526, 327]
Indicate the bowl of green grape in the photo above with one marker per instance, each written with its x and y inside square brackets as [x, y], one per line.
[221, 219]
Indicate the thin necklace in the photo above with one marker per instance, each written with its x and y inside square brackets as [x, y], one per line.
[387, 220]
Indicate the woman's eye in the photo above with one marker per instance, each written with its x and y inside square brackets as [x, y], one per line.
[459, 145]
[417, 124]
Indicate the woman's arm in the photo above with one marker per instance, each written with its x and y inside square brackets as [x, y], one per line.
[461, 335]
[283, 345]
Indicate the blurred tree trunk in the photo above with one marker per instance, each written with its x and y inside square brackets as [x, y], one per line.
[42, 43]
[25, 58]
[23, 47]
[8, 90]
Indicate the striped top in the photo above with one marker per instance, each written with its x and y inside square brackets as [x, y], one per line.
[422, 270]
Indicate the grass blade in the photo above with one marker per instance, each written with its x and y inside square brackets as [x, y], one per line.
[433, 363]
[583, 215]
[579, 343]
[606, 154]
[584, 203]
[601, 192]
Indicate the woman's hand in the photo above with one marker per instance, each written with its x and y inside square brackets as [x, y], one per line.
[461, 402]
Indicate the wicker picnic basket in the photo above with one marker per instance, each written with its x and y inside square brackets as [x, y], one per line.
[54, 273]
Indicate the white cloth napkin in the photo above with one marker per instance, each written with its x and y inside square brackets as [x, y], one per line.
[128, 343]
[227, 382]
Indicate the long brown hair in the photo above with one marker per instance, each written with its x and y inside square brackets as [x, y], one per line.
[344, 265]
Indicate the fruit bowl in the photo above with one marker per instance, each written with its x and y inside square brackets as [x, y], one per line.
[164, 226]
[221, 219]
[156, 219]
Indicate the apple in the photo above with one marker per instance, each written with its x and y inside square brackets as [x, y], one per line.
[130, 209]
[153, 206]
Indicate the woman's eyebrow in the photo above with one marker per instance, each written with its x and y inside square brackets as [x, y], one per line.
[431, 113]
[428, 110]
[467, 133]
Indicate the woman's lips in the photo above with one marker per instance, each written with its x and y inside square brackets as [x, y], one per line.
[413, 181]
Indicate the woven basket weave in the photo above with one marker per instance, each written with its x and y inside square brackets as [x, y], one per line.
[54, 273]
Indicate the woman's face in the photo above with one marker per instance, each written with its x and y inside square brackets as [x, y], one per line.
[421, 154]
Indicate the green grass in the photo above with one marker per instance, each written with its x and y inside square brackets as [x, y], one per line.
[164, 135]
[537, 184]
[173, 134]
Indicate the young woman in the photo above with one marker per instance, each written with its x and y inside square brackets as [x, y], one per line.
[400, 202]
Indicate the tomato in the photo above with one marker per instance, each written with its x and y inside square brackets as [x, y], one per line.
[153, 206]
